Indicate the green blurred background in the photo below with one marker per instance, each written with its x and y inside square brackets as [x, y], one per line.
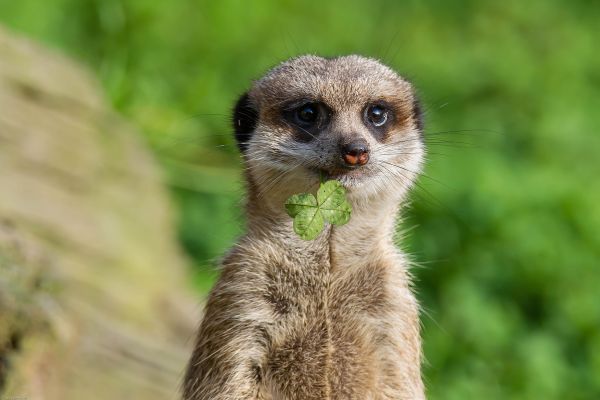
[505, 228]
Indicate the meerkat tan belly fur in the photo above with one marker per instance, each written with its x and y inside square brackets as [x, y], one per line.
[332, 318]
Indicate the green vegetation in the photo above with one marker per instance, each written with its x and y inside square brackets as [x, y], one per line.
[505, 227]
[310, 212]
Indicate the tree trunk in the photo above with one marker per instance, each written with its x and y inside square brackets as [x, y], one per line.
[93, 303]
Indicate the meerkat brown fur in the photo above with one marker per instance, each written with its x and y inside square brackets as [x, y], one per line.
[332, 318]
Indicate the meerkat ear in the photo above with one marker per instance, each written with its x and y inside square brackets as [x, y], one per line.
[418, 113]
[245, 117]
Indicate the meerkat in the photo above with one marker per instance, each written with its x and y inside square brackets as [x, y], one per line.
[332, 318]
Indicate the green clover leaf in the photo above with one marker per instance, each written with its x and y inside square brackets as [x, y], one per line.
[331, 198]
[310, 213]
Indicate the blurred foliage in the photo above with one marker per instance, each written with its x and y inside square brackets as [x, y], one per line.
[505, 227]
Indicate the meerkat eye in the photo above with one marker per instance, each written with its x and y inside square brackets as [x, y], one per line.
[377, 115]
[307, 114]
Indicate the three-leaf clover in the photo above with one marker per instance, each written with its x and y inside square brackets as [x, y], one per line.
[310, 213]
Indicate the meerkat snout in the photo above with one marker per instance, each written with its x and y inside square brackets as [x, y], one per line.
[355, 153]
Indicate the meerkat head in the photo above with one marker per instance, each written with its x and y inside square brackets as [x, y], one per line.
[348, 118]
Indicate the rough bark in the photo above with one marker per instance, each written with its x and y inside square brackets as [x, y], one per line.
[93, 302]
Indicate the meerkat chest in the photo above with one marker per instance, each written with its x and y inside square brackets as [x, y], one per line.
[325, 333]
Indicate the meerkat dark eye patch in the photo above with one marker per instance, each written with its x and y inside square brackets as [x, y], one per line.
[308, 118]
[245, 117]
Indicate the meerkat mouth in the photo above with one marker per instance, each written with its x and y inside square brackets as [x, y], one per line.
[347, 176]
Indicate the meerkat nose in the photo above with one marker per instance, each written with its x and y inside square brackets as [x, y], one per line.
[355, 153]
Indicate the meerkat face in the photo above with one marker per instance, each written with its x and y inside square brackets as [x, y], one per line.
[347, 118]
